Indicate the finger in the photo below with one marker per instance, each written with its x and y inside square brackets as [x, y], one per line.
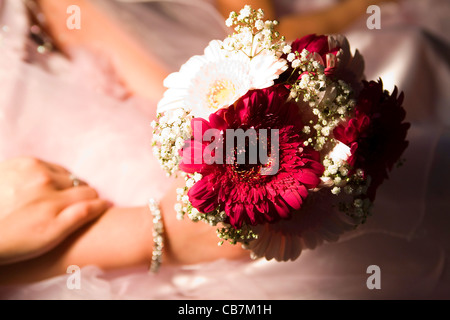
[67, 197]
[65, 180]
[79, 214]
[55, 167]
[50, 174]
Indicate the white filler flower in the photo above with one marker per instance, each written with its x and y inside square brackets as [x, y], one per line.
[217, 79]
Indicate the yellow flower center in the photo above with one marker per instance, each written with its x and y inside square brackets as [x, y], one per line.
[220, 93]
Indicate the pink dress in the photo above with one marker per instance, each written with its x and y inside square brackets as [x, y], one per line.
[77, 114]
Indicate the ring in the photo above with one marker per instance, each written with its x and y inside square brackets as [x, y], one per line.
[75, 180]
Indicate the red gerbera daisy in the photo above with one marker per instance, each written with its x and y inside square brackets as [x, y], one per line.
[376, 134]
[241, 190]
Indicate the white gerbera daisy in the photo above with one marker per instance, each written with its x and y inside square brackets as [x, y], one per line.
[217, 79]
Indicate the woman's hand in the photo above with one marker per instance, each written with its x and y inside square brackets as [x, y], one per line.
[40, 207]
[120, 238]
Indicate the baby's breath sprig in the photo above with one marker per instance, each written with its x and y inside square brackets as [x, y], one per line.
[359, 209]
[234, 236]
[170, 131]
[183, 206]
[354, 186]
[253, 35]
[330, 101]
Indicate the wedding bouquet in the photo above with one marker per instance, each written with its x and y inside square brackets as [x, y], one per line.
[282, 145]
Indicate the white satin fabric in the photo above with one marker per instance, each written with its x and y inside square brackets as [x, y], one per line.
[74, 113]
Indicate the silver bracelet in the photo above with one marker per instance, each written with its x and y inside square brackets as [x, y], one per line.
[158, 236]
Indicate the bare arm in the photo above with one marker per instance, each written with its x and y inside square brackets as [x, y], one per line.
[121, 238]
[139, 70]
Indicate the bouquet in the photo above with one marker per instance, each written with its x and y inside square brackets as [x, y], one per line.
[282, 145]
